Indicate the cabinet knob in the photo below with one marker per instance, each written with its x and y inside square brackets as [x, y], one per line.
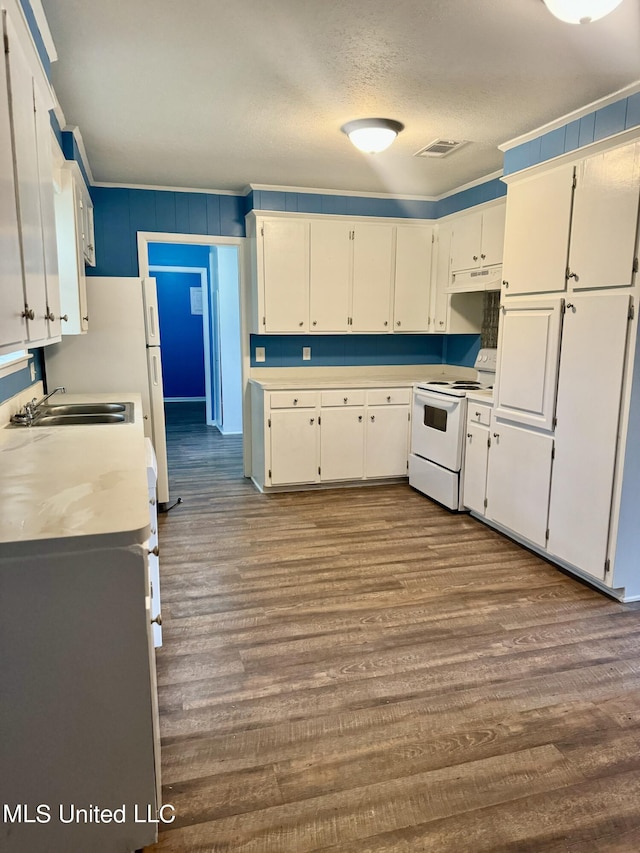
[346, 400]
[315, 323]
[571, 305]
[157, 620]
[475, 257]
[155, 551]
[295, 401]
[64, 317]
[360, 418]
[505, 284]
[386, 322]
[397, 322]
[301, 323]
[477, 414]
[28, 313]
[572, 274]
[373, 417]
[496, 435]
[49, 315]
[312, 420]
[468, 435]
[441, 323]
[388, 398]
[483, 256]
[86, 319]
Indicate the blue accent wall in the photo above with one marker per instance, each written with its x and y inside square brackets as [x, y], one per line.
[181, 335]
[178, 255]
[488, 191]
[360, 350]
[599, 124]
[21, 379]
[119, 213]
[36, 35]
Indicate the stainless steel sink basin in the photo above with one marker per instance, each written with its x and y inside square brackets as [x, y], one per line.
[83, 408]
[84, 414]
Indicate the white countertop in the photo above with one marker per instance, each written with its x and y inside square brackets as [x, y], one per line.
[73, 487]
[357, 377]
[484, 396]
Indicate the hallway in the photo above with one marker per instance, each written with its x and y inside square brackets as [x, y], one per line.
[360, 670]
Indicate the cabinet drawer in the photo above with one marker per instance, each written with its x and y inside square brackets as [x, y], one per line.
[478, 413]
[293, 399]
[392, 396]
[346, 397]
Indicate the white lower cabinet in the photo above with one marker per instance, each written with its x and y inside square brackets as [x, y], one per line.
[305, 437]
[294, 446]
[342, 443]
[387, 441]
[476, 456]
[519, 478]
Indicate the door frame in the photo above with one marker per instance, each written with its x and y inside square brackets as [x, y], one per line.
[206, 337]
[144, 238]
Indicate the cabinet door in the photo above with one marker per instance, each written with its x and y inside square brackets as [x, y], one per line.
[48, 217]
[594, 340]
[466, 242]
[528, 347]
[330, 276]
[294, 447]
[536, 238]
[441, 300]
[13, 327]
[285, 258]
[605, 219]
[372, 274]
[412, 295]
[342, 443]
[492, 249]
[28, 181]
[518, 480]
[475, 467]
[73, 284]
[387, 441]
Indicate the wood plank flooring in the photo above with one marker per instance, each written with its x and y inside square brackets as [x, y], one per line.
[362, 671]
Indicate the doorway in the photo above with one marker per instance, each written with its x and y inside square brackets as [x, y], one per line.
[199, 283]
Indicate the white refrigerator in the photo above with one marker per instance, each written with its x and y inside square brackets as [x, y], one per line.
[119, 353]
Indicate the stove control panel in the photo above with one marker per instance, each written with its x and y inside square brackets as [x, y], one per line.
[487, 360]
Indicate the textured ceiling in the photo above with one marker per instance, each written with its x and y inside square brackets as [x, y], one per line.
[218, 94]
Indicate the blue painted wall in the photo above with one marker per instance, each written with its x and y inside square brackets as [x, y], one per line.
[359, 350]
[180, 335]
[607, 121]
[21, 379]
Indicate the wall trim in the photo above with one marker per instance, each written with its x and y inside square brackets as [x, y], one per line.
[199, 190]
[477, 183]
[43, 26]
[557, 123]
[351, 193]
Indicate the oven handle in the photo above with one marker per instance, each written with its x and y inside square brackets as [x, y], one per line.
[438, 401]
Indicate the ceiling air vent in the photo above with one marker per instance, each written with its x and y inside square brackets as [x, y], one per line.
[439, 148]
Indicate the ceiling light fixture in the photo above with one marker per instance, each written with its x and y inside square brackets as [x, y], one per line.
[581, 11]
[372, 135]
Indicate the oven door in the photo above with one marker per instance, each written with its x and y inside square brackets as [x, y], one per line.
[437, 427]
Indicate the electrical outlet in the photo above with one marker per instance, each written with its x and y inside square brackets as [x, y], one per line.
[260, 354]
[306, 353]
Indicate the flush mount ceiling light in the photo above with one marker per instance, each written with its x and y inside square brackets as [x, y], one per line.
[581, 11]
[372, 135]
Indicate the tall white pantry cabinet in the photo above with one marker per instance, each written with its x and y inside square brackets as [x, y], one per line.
[563, 470]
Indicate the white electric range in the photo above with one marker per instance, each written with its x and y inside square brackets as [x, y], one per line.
[439, 413]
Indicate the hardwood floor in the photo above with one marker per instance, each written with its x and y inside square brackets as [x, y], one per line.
[362, 671]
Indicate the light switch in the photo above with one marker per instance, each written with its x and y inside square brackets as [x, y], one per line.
[260, 354]
[306, 353]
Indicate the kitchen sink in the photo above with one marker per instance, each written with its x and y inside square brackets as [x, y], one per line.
[83, 414]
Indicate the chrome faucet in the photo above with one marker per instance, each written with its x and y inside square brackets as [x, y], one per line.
[27, 416]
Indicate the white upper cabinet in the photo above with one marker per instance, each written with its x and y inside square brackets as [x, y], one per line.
[373, 259]
[594, 344]
[71, 260]
[537, 233]
[28, 186]
[528, 349]
[284, 256]
[13, 327]
[412, 293]
[330, 284]
[478, 239]
[605, 217]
